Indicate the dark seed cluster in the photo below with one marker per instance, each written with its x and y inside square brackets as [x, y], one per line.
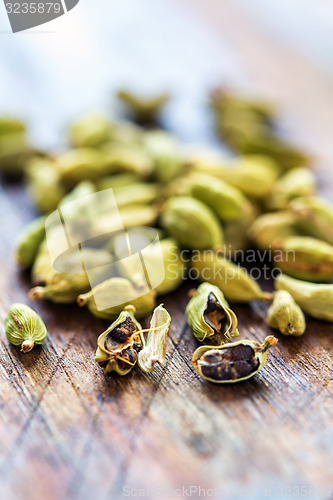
[231, 363]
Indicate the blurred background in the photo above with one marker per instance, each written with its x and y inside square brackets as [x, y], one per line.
[279, 50]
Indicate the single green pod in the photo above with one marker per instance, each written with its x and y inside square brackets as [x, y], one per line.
[82, 164]
[253, 175]
[285, 315]
[119, 291]
[14, 153]
[24, 327]
[129, 158]
[235, 232]
[210, 317]
[314, 216]
[90, 131]
[230, 363]
[304, 258]
[235, 283]
[29, 241]
[44, 184]
[9, 124]
[117, 181]
[175, 268]
[64, 286]
[268, 228]
[119, 345]
[143, 109]
[131, 215]
[139, 193]
[126, 133]
[295, 183]
[225, 200]
[315, 299]
[191, 223]
[165, 151]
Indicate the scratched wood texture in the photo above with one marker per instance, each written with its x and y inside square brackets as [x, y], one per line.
[69, 432]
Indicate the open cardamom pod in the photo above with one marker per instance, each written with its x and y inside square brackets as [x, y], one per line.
[210, 317]
[230, 363]
[119, 345]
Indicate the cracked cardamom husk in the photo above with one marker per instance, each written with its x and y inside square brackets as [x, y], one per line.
[119, 345]
[232, 362]
[210, 317]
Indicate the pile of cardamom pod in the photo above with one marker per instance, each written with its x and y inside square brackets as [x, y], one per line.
[206, 206]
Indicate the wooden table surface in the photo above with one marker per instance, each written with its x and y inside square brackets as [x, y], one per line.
[67, 431]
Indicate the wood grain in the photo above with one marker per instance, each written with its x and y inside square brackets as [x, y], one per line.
[69, 432]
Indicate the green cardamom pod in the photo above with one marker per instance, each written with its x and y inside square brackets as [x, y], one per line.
[304, 258]
[315, 299]
[90, 131]
[131, 215]
[314, 216]
[64, 286]
[136, 194]
[117, 181]
[14, 153]
[81, 164]
[44, 185]
[29, 241]
[268, 228]
[253, 175]
[285, 315]
[222, 98]
[295, 183]
[232, 362]
[9, 125]
[24, 327]
[143, 109]
[175, 268]
[83, 188]
[235, 232]
[191, 223]
[119, 345]
[165, 151]
[154, 349]
[286, 155]
[235, 283]
[225, 200]
[116, 290]
[210, 317]
[126, 133]
[127, 158]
